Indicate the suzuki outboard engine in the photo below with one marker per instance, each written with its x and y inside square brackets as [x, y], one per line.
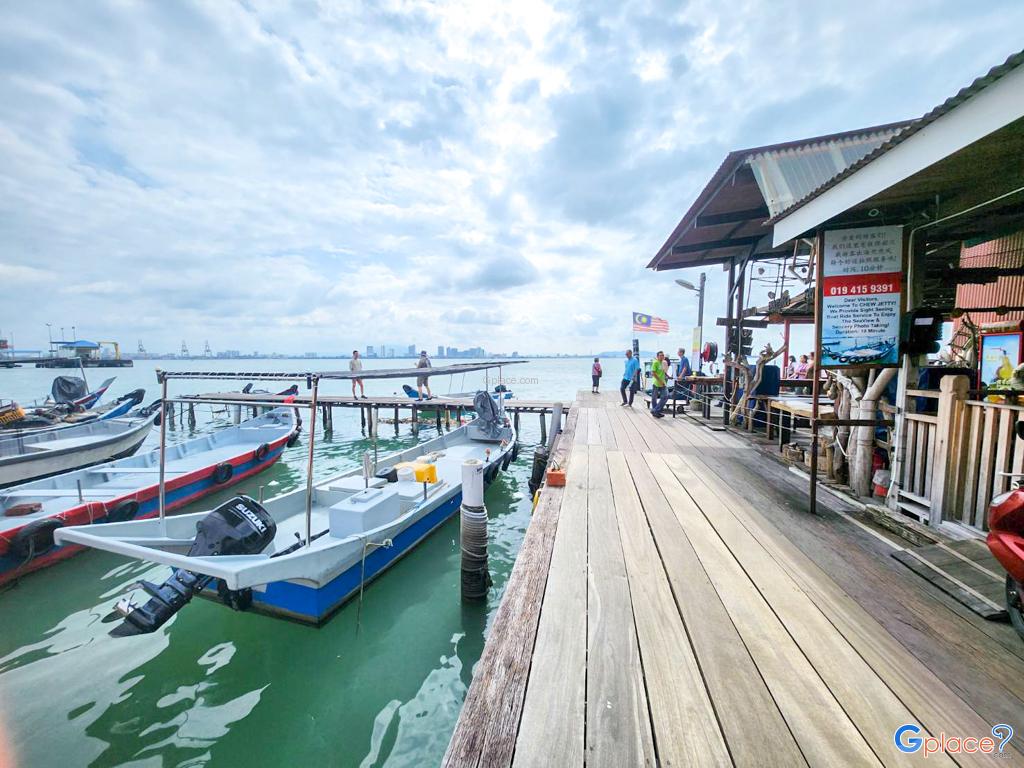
[240, 526]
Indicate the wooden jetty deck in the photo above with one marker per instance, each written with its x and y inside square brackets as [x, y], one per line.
[676, 605]
[403, 402]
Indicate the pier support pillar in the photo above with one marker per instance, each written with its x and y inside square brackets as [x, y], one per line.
[396, 421]
[415, 422]
[543, 429]
[476, 578]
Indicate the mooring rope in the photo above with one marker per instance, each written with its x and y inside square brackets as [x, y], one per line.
[476, 578]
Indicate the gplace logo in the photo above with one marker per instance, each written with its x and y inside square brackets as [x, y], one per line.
[908, 740]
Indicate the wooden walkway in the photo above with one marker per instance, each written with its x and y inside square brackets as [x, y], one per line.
[657, 615]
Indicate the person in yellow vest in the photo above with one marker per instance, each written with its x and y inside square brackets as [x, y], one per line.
[659, 390]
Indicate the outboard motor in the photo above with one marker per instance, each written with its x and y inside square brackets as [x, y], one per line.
[240, 526]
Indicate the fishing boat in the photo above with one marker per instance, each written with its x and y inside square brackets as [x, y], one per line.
[40, 453]
[313, 556]
[56, 417]
[128, 489]
[301, 555]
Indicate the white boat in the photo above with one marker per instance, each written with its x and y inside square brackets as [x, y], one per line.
[301, 555]
[41, 453]
[128, 489]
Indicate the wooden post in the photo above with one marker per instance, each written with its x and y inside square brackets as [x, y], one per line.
[236, 413]
[396, 421]
[543, 429]
[415, 422]
[437, 418]
[515, 420]
[448, 419]
[191, 415]
[945, 452]
[376, 422]
[362, 417]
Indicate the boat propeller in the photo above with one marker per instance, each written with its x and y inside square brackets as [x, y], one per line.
[240, 526]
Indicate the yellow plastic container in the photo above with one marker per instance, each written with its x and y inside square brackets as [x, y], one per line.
[425, 473]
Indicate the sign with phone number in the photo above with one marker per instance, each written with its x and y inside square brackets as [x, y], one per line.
[861, 297]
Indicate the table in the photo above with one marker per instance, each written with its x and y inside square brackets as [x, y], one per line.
[793, 409]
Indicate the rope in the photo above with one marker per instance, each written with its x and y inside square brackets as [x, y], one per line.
[476, 579]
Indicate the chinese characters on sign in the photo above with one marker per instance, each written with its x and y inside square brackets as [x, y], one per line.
[860, 301]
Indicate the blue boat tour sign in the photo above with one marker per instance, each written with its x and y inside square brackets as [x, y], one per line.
[861, 297]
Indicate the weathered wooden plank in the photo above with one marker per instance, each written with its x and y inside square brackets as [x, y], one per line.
[754, 728]
[972, 458]
[593, 427]
[618, 721]
[580, 435]
[824, 732]
[485, 733]
[864, 696]
[608, 438]
[986, 464]
[1004, 445]
[936, 706]
[921, 458]
[624, 437]
[907, 481]
[685, 727]
[552, 727]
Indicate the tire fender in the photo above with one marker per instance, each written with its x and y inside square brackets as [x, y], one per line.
[222, 473]
[34, 539]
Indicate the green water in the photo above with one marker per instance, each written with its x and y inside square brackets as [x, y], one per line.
[380, 684]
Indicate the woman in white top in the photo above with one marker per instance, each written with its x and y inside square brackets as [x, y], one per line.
[355, 364]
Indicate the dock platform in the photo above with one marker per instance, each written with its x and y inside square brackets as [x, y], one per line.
[675, 604]
[440, 403]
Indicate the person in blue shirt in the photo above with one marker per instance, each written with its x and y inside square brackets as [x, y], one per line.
[630, 378]
[683, 370]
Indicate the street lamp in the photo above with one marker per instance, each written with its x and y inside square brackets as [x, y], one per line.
[699, 290]
[49, 335]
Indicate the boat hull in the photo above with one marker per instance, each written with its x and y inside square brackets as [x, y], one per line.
[315, 605]
[179, 491]
[47, 465]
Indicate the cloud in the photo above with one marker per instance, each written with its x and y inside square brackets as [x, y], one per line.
[471, 316]
[311, 176]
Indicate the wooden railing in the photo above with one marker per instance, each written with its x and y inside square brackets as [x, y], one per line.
[957, 459]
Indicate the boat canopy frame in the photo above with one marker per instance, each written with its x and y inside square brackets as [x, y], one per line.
[312, 379]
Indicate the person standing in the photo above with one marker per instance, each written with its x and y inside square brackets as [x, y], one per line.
[659, 390]
[791, 367]
[356, 365]
[683, 372]
[629, 378]
[595, 375]
[423, 381]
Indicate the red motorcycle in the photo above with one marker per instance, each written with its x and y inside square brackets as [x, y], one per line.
[1006, 541]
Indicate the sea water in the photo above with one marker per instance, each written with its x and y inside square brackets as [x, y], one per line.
[381, 683]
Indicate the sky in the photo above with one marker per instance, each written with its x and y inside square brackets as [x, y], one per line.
[319, 176]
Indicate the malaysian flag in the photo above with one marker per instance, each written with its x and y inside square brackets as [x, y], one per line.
[646, 324]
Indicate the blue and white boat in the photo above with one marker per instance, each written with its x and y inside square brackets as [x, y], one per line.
[301, 555]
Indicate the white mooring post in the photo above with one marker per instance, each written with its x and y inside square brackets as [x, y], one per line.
[476, 579]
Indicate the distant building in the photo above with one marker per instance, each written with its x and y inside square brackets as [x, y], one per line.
[440, 350]
[411, 350]
[229, 353]
[369, 351]
[310, 354]
[451, 352]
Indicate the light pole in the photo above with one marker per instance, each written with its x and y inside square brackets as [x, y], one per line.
[699, 290]
[49, 334]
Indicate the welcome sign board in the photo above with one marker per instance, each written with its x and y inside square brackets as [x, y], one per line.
[861, 297]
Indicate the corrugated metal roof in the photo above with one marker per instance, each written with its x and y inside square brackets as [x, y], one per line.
[786, 175]
[1007, 291]
[735, 160]
[948, 105]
